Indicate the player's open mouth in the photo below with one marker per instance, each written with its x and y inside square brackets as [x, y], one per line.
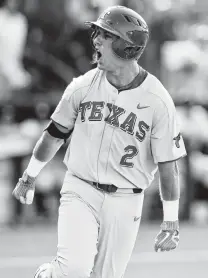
[99, 55]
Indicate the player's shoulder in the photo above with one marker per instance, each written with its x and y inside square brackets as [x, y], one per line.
[86, 79]
[157, 90]
[82, 82]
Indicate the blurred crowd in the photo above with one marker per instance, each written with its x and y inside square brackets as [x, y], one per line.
[44, 45]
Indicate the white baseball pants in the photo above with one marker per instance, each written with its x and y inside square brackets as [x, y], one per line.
[96, 231]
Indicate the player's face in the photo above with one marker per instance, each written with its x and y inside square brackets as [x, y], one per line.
[104, 56]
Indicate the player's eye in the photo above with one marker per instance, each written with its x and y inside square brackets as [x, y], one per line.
[107, 35]
[104, 34]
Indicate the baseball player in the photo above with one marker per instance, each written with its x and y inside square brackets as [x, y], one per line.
[122, 126]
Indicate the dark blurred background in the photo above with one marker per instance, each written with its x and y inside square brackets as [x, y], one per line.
[44, 44]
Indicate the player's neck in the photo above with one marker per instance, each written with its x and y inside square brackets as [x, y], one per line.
[123, 76]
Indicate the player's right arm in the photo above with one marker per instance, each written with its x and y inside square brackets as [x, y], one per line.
[52, 138]
[45, 149]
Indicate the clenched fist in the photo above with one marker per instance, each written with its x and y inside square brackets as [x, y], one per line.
[25, 189]
[168, 237]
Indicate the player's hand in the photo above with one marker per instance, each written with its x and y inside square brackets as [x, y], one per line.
[25, 189]
[168, 237]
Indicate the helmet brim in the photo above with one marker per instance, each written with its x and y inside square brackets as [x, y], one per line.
[102, 25]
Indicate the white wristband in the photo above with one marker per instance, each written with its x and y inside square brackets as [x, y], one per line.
[35, 166]
[170, 210]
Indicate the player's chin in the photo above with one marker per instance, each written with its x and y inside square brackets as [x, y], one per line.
[101, 66]
[98, 61]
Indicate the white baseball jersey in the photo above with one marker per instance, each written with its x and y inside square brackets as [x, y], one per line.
[118, 137]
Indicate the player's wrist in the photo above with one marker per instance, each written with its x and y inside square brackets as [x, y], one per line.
[170, 226]
[34, 167]
[170, 210]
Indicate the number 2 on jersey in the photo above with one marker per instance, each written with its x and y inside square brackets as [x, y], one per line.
[131, 151]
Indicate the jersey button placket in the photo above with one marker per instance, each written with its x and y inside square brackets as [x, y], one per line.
[106, 139]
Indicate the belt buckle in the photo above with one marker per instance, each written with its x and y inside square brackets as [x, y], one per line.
[96, 185]
[111, 188]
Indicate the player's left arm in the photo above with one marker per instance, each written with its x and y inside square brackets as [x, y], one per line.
[167, 146]
[168, 237]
